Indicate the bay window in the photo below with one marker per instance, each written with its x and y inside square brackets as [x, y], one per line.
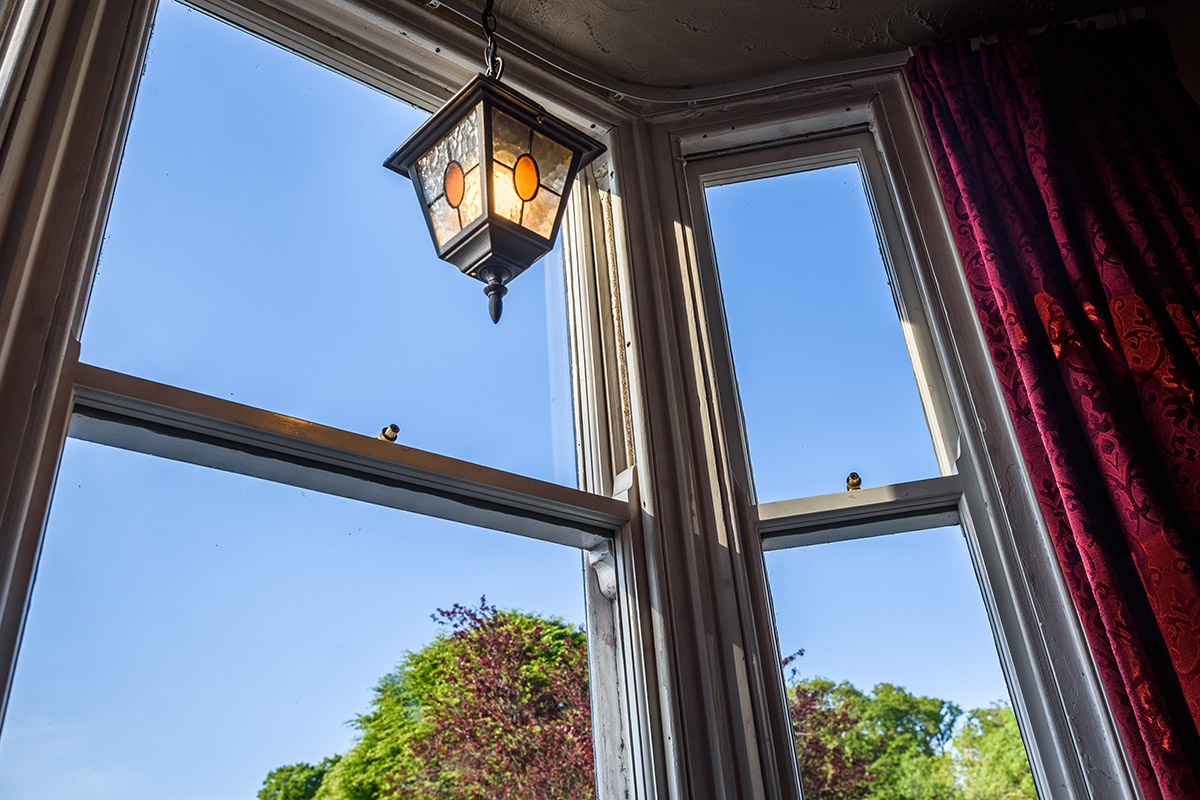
[672, 513]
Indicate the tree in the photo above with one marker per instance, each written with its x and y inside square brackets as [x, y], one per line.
[383, 737]
[908, 735]
[497, 706]
[295, 781]
[506, 711]
[886, 745]
[825, 732]
[992, 763]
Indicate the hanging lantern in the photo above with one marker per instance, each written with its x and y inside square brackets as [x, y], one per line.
[492, 170]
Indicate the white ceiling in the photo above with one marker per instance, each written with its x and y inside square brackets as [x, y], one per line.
[693, 44]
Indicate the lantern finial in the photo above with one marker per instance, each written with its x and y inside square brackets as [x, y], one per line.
[495, 291]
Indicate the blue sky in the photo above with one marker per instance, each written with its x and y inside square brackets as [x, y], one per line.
[825, 381]
[192, 629]
[827, 388]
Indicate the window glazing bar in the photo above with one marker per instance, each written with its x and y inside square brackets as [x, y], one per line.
[134, 414]
[880, 510]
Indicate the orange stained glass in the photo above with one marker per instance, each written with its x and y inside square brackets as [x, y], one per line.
[454, 184]
[525, 177]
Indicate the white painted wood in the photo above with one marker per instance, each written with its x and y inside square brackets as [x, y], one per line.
[71, 70]
[628, 697]
[834, 509]
[598, 366]
[135, 414]
[615, 714]
[864, 529]
[915, 324]
[713, 678]
[19, 23]
[880, 510]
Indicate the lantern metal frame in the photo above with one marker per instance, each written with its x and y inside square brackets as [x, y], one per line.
[491, 248]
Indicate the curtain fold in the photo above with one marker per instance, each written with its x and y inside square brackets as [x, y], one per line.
[1069, 163]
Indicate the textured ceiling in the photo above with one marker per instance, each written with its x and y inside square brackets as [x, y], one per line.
[684, 44]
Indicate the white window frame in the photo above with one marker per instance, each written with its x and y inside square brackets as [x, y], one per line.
[687, 692]
[80, 62]
[1074, 748]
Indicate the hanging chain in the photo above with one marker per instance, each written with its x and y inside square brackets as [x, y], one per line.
[495, 64]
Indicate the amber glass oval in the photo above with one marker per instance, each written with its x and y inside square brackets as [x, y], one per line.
[525, 177]
[454, 184]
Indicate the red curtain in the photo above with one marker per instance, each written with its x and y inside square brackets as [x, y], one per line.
[1069, 163]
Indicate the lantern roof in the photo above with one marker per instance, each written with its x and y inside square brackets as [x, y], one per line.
[500, 96]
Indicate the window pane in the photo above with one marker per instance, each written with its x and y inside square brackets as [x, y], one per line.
[898, 669]
[258, 251]
[825, 380]
[192, 630]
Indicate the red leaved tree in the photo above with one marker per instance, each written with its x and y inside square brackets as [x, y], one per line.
[833, 764]
[507, 714]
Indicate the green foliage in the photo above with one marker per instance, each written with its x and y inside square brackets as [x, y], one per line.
[991, 756]
[909, 723]
[507, 713]
[908, 735]
[295, 781]
[411, 700]
[496, 706]
[383, 734]
[890, 744]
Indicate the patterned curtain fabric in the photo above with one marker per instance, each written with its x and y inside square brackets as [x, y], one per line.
[1069, 163]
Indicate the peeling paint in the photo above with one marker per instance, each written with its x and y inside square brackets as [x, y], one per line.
[862, 38]
[592, 32]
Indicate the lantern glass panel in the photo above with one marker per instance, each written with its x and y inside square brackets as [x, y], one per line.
[540, 213]
[472, 203]
[510, 139]
[505, 201]
[534, 207]
[461, 146]
[445, 221]
[553, 161]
